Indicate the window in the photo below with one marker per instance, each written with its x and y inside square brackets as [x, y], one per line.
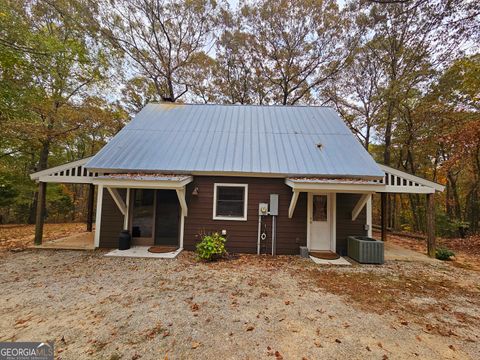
[230, 202]
[320, 203]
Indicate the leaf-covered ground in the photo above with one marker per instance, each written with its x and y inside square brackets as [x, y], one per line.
[467, 251]
[247, 307]
[19, 236]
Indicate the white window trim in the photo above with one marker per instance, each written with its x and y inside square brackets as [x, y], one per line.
[245, 205]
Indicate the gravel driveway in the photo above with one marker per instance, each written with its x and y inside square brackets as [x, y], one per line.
[247, 307]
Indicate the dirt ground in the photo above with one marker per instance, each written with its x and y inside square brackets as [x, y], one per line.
[247, 307]
[467, 251]
[19, 236]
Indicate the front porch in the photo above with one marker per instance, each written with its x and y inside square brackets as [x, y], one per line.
[323, 223]
[151, 207]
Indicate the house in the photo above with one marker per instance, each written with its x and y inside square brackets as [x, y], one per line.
[177, 171]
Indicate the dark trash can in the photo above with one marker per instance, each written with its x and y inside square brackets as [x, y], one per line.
[304, 252]
[124, 240]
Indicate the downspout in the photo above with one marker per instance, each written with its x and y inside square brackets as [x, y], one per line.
[274, 238]
[259, 232]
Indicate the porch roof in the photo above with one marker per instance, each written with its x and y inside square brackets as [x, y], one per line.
[138, 180]
[73, 172]
[394, 181]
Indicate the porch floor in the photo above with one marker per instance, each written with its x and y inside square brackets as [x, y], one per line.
[339, 261]
[80, 241]
[142, 252]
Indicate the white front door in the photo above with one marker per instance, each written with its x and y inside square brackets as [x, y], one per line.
[320, 220]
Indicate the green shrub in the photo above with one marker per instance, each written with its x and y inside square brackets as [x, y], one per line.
[444, 254]
[212, 247]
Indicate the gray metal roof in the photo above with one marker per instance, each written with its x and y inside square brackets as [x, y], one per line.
[269, 140]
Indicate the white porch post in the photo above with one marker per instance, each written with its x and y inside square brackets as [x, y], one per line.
[127, 210]
[369, 215]
[182, 225]
[98, 216]
[333, 232]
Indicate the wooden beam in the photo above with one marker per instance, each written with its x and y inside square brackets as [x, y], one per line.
[118, 200]
[431, 242]
[359, 206]
[40, 215]
[98, 218]
[67, 179]
[383, 211]
[183, 203]
[293, 203]
[90, 203]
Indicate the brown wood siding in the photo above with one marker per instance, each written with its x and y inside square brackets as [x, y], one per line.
[242, 235]
[112, 220]
[345, 226]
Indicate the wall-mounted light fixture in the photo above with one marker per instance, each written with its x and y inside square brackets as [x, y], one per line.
[195, 191]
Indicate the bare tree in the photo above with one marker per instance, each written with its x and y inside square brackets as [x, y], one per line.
[161, 38]
[355, 93]
[297, 45]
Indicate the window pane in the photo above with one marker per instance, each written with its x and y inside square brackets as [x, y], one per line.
[319, 207]
[142, 220]
[230, 193]
[230, 201]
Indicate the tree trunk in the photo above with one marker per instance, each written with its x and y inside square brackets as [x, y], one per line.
[41, 165]
[388, 143]
[367, 136]
[40, 216]
[453, 200]
[431, 245]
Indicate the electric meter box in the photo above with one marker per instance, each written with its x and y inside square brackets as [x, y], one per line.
[263, 209]
[274, 204]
